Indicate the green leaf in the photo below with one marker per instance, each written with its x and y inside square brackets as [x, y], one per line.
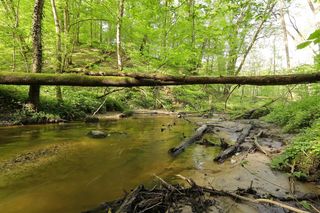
[305, 204]
[317, 41]
[303, 45]
[314, 35]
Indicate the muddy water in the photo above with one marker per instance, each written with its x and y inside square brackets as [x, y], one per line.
[82, 172]
[86, 171]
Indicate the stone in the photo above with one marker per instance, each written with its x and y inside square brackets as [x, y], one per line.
[97, 134]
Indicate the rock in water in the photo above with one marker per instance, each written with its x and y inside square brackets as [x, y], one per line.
[97, 134]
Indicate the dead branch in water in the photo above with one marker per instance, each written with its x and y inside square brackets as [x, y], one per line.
[198, 198]
[197, 136]
[225, 154]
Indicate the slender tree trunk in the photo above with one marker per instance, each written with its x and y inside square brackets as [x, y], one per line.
[101, 32]
[58, 46]
[285, 34]
[256, 34]
[274, 56]
[14, 52]
[192, 17]
[315, 13]
[91, 24]
[119, 25]
[164, 28]
[69, 42]
[34, 90]
[285, 39]
[77, 36]
[13, 15]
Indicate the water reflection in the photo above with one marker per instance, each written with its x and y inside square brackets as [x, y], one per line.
[93, 170]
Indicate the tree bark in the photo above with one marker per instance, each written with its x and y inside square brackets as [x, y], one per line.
[58, 46]
[34, 90]
[20, 78]
[119, 25]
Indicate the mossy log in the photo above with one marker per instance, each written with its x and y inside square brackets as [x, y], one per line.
[20, 78]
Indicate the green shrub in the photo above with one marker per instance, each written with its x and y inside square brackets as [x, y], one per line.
[296, 115]
[303, 153]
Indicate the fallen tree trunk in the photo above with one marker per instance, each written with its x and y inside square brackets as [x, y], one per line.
[234, 148]
[197, 136]
[17, 78]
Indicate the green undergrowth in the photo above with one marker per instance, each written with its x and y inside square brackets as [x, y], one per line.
[76, 104]
[296, 115]
[302, 156]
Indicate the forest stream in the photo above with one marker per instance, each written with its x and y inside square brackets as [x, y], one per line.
[59, 168]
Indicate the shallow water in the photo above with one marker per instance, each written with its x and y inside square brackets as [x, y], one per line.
[91, 171]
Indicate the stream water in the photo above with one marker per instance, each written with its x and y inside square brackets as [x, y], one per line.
[59, 168]
[85, 171]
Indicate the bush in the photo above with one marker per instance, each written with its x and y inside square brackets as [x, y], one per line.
[296, 115]
[303, 153]
[28, 116]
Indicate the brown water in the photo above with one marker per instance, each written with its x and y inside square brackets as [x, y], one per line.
[90, 171]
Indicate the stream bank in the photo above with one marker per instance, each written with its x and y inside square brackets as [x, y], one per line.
[246, 172]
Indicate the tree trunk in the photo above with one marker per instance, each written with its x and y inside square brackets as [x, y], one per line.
[91, 24]
[13, 15]
[315, 13]
[58, 46]
[34, 90]
[192, 17]
[132, 80]
[164, 28]
[69, 42]
[119, 25]
[256, 34]
[285, 34]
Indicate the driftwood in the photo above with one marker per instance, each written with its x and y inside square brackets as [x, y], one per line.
[258, 146]
[200, 199]
[248, 199]
[234, 148]
[196, 137]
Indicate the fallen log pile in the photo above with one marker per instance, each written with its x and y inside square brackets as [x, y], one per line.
[175, 198]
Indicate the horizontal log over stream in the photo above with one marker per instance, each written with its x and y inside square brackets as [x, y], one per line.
[20, 78]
